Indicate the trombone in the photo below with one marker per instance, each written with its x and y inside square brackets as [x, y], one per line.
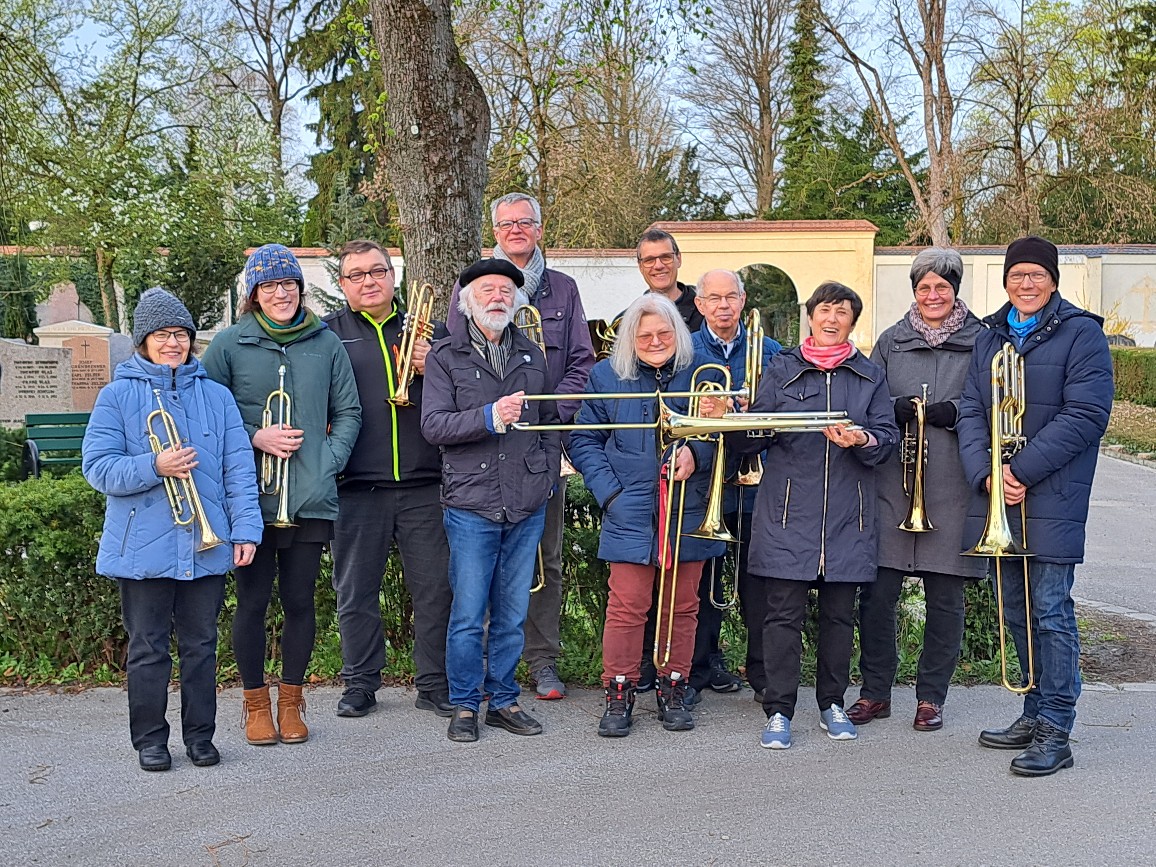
[274, 470]
[418, 326]
[913, 453]
[184, 499]
[1008, 404]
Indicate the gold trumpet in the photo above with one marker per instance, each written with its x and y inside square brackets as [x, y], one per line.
[750, 471]
[604, 334]
[184, 499]
[1008, 404]
[418, 326]
[713, 527]
[274, 470]
[913, 453]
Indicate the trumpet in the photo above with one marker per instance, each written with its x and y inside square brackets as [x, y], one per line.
[184, 499]
[913, 453]
[1008, 404]
[418, 326]
[750, 471]
[274, 470]
[603, 335]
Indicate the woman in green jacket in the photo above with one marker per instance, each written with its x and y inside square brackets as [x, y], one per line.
[278, 336]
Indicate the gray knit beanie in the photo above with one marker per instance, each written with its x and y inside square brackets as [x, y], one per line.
[159, 309]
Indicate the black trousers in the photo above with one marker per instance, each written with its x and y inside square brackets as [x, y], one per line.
[295, 569]
[752, 604]
[942, 634]
[153, 610]
[371, 520]
[783, 642]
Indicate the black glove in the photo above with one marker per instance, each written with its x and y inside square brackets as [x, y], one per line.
[942, 414]
[904, 410]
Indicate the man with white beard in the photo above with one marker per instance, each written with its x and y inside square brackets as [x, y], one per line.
[495, 483]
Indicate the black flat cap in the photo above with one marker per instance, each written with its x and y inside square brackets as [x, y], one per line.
[491, 266]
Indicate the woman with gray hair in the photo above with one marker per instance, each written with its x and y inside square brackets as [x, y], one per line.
[929, 348]
[623, 470]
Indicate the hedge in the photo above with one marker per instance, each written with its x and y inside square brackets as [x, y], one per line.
[61, 622]
[1135, 371]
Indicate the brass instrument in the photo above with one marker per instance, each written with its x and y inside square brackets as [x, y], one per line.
[418, 326]
[1008, 404]
[274, 479]
[712, 526]
[603, 335]
[750, 471]
[184, 499]
[913, 453]
[528, 320]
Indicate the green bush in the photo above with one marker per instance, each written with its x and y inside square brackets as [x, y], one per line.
[62, 622]
[1135, 371]
[11, 450]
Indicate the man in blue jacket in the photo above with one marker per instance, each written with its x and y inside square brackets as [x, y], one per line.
[1068, 389]
[720, 297]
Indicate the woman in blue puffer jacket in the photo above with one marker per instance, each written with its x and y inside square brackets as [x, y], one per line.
[166, 584]
[621, 468]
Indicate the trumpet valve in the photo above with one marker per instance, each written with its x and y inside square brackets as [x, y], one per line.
[908, 449]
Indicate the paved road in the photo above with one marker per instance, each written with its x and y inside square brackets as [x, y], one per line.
[390, 789]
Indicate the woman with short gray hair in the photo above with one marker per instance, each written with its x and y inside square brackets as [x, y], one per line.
[929, 348]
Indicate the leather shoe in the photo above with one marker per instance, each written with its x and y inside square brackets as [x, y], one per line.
[438, 702]
[203, 754]
[1048, 753]
[1019, 735]
[514, 720]
[866, 709]
[155, 758]
[356, 701]
[928, 717]
[463, 725]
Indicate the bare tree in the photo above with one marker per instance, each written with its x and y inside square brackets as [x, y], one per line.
[438, 127]
[739, 102]
[920, 35]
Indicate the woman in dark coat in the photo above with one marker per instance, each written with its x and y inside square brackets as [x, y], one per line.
[930, 346]
[169, 587]
[815, 513]
[621, 468]
[278, 331]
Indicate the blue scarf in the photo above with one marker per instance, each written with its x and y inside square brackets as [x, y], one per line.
[1021, 330]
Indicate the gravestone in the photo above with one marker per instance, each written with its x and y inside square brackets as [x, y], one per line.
[33, 379]
[96, 351]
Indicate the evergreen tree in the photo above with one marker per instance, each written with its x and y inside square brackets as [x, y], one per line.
[806, 136]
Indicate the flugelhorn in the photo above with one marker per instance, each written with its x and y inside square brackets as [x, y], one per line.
[184, 499]
[913, 453]
[1008, 404]
[274, 479]
[418, 326]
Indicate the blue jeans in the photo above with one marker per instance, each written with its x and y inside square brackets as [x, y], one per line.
[1055, 636]
[491, 567]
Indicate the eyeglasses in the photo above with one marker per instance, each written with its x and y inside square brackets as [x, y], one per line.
[162, 337]
[715, 300]
[1037, 277]
[651, 261]
[270, 287]
[924, 291]
[526, 223]
[378, 273]
[647, 338]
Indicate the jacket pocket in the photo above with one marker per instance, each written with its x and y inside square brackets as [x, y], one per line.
[786, 502]
[127, 531]
[537, 462]
[859, 487]
[554, 327]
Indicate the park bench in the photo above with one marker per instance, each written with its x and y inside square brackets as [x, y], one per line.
[54, 440]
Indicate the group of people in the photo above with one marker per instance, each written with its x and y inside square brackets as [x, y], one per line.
[289, 436]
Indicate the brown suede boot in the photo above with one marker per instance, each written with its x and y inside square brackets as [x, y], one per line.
[291, 713]
[258, 717]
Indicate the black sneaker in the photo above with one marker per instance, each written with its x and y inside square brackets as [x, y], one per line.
[356, 701]
[672, 708]
[617, 718]
[438, 702]
[647, 675]
[721, 680]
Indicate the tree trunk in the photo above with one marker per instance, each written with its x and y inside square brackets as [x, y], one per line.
[439, 128]
[104, 281]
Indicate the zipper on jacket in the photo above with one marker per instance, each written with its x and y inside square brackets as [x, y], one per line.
[826, 478]
[127, 531]
[859, 485]
[786, 503]
[392, 388]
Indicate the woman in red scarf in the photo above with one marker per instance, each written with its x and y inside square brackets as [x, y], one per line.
[815, 512]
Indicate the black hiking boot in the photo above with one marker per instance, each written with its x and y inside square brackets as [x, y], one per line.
[672, 707]
[616, 719]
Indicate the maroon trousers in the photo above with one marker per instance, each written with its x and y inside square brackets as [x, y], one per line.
[632, 589]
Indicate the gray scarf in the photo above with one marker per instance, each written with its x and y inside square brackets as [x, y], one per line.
[532, 272]
[938, 336]
[497, 354]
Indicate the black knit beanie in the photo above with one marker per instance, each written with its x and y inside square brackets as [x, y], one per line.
[1035, 250]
